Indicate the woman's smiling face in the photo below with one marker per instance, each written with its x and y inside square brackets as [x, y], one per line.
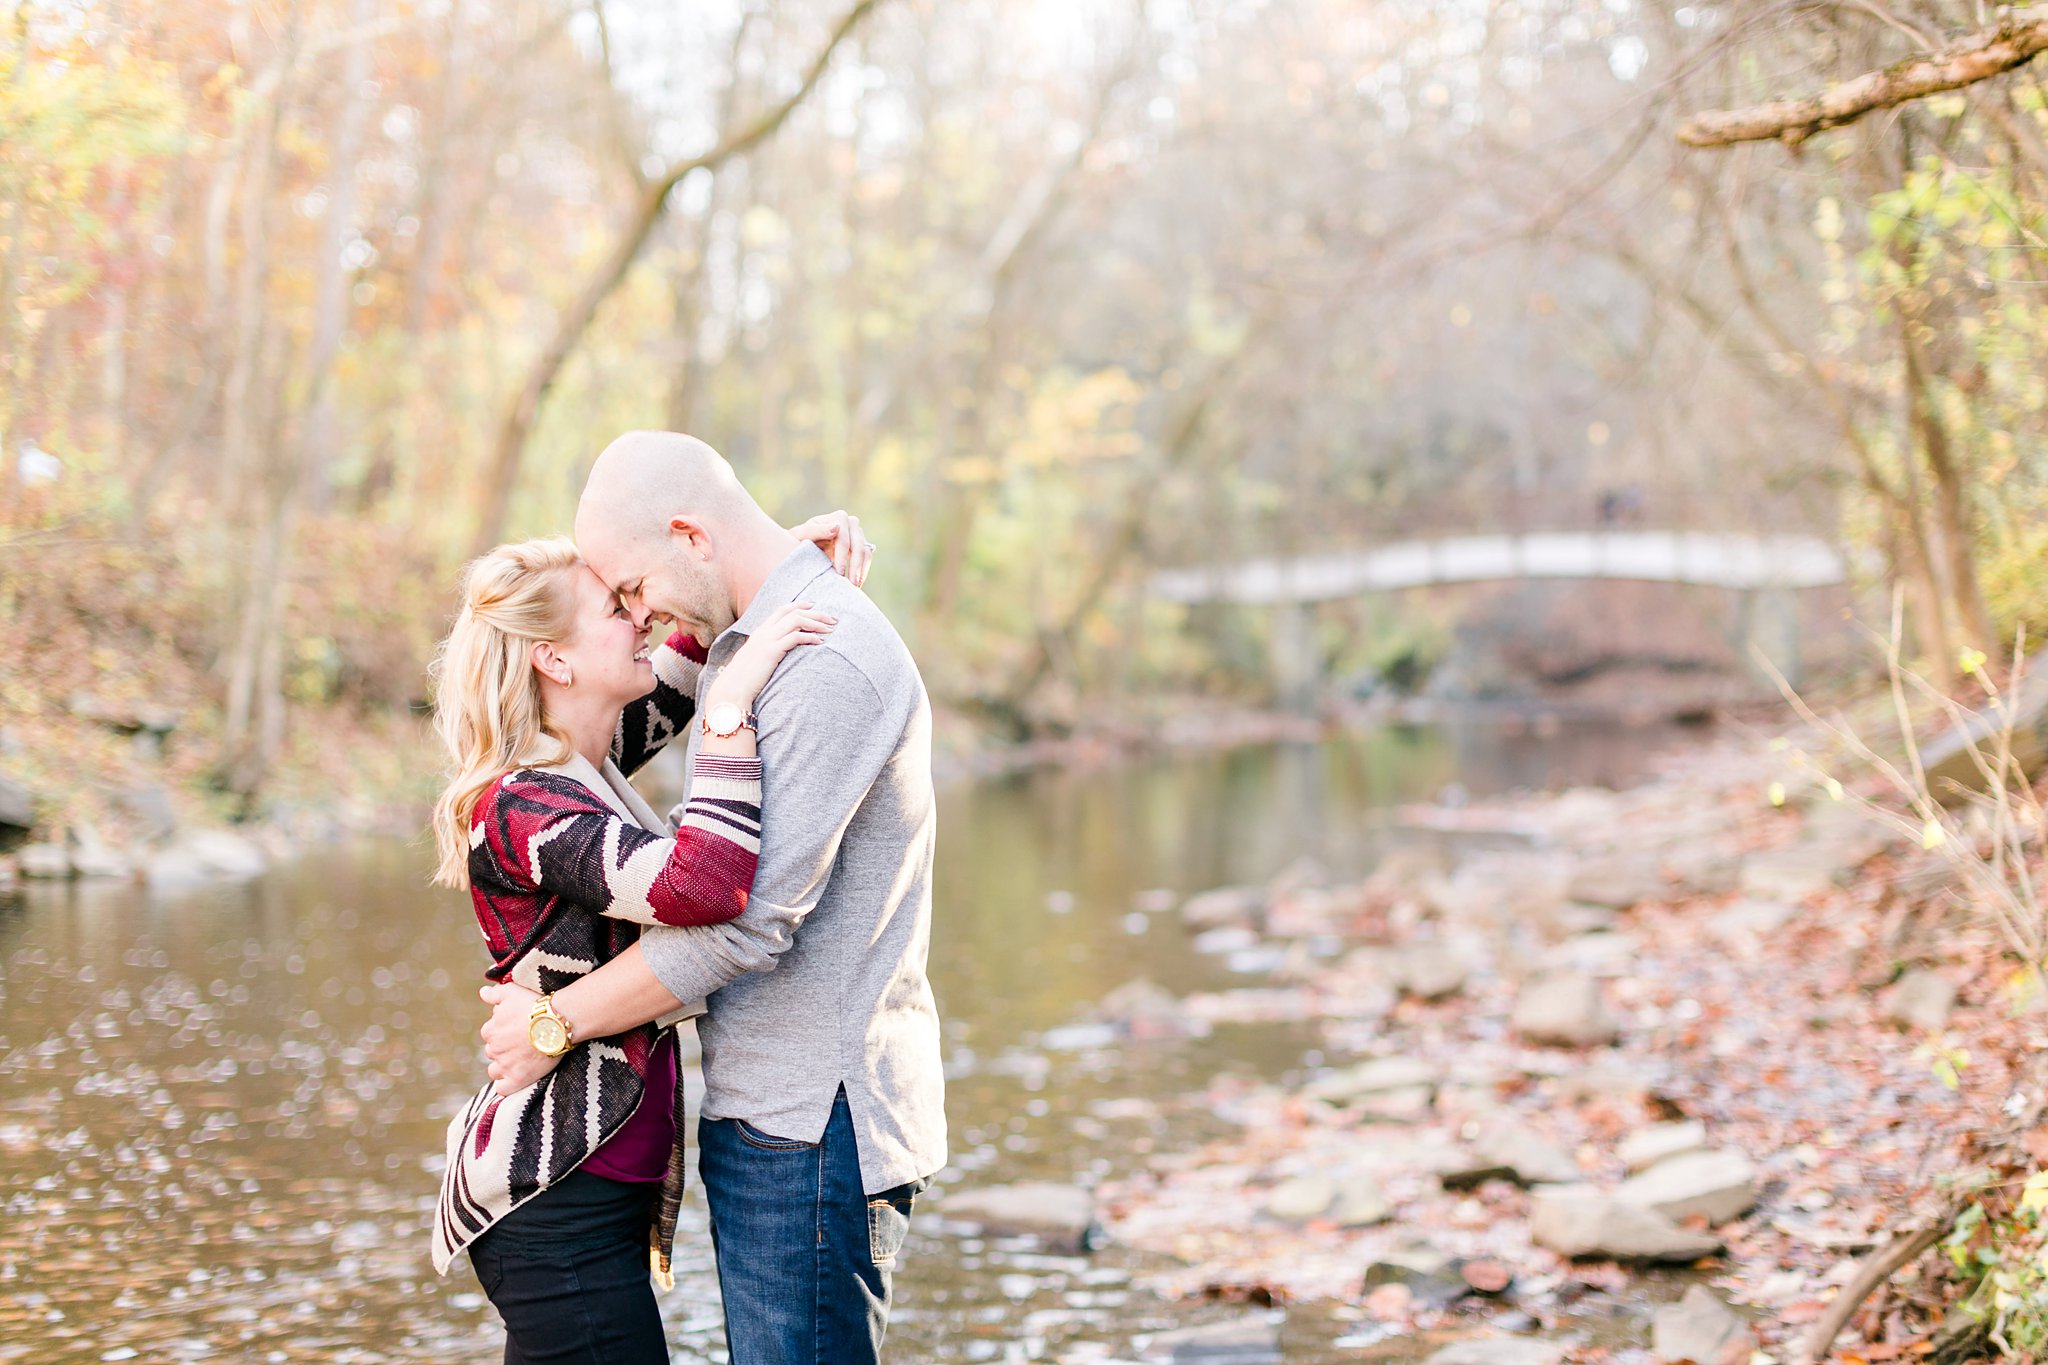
[607, 653]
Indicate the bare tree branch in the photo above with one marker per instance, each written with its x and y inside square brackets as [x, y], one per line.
[502, 473]
[1976, 58]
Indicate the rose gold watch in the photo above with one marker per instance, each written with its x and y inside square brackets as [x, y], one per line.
[725, 719]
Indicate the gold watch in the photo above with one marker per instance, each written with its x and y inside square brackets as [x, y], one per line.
[547, 1030]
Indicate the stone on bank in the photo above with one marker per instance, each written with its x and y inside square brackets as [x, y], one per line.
[1060, 1217]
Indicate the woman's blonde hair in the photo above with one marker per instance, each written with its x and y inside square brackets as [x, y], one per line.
[487, 702]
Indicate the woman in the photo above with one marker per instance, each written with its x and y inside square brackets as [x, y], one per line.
[548, 696]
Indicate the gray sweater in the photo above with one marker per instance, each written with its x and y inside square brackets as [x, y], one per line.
[821, 982]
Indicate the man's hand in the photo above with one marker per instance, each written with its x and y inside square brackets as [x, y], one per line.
[839, 535]
[514, 1064]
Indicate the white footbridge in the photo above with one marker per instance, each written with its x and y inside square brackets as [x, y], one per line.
[1766, 570]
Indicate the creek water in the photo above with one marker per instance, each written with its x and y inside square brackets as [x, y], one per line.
[221, 1109]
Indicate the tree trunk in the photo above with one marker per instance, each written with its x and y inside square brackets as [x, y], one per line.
[1951, 507]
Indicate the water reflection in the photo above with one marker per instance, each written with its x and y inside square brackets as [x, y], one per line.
[221, 1110]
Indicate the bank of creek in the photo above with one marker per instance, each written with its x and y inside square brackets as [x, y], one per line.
[221, 1109]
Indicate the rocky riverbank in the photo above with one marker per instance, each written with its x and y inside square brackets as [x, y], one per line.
[1645, 1078]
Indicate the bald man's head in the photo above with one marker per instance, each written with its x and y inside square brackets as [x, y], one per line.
[657, 512]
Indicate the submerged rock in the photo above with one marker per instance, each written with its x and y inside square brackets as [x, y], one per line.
[1499, 1351]
[1241, 1341]
[1145, 1009]
[1226, 905]
[1718, 1184]
[1699, 1327]
[1061, 1217]
[1565, 1009]
[1581, 1220]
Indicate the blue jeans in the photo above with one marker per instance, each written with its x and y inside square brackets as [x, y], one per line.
[567, 1270]
[805, 1257]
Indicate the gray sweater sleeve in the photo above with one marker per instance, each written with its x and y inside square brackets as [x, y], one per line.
[825, 734]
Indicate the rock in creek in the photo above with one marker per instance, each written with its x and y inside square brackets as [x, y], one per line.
[1372, 1077]
[122, 717]
[1646, 1147]
[1719, 1184]
[1921, 1000]
[1226, 905]
[1699, 1327]
[1602, 953]
[1508, 1150]
[1703, 868]
[92, 856]
[149, 806]
[1061, 1217]
[1499, 1351]
[1567, 1009]
[1750, 924]
[1409, 1104]
[1431, 1278]
[204, 855]
[1806, 868]
[1619, 883]
[17, 815]
[1360, 1203]
[1429, 971]
[1352, 1201]
[1302, 1198]
[1145, 1009]
[44, 862]
[1242, 1341]
[1951, 766]
[1581, 1220]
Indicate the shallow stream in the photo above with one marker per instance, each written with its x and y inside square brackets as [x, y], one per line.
[221, 1109]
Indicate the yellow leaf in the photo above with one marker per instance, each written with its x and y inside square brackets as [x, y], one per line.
[1777, 793]
[1834, 790]
[1932, 835]
[1970, 660]
[2034, 1194]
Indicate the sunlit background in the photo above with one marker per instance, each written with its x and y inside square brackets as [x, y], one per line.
[1328, 406]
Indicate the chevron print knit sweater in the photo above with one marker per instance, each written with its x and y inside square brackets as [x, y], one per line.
[566, 863]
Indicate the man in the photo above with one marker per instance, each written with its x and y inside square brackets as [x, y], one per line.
[823, 1112]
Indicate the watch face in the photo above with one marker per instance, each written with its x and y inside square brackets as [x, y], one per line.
[548, 1035]
[724, 718]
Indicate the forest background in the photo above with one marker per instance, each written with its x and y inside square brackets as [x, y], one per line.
[303, 302]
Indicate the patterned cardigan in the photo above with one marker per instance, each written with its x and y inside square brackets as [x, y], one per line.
[566, 863]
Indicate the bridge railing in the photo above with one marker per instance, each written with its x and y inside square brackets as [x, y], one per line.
[1726, 561]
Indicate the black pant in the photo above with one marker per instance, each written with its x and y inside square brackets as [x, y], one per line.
[568, 1271]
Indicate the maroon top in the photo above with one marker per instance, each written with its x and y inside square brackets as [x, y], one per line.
[639, 1151]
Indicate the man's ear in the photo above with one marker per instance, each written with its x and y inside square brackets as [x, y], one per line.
[696, 538]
